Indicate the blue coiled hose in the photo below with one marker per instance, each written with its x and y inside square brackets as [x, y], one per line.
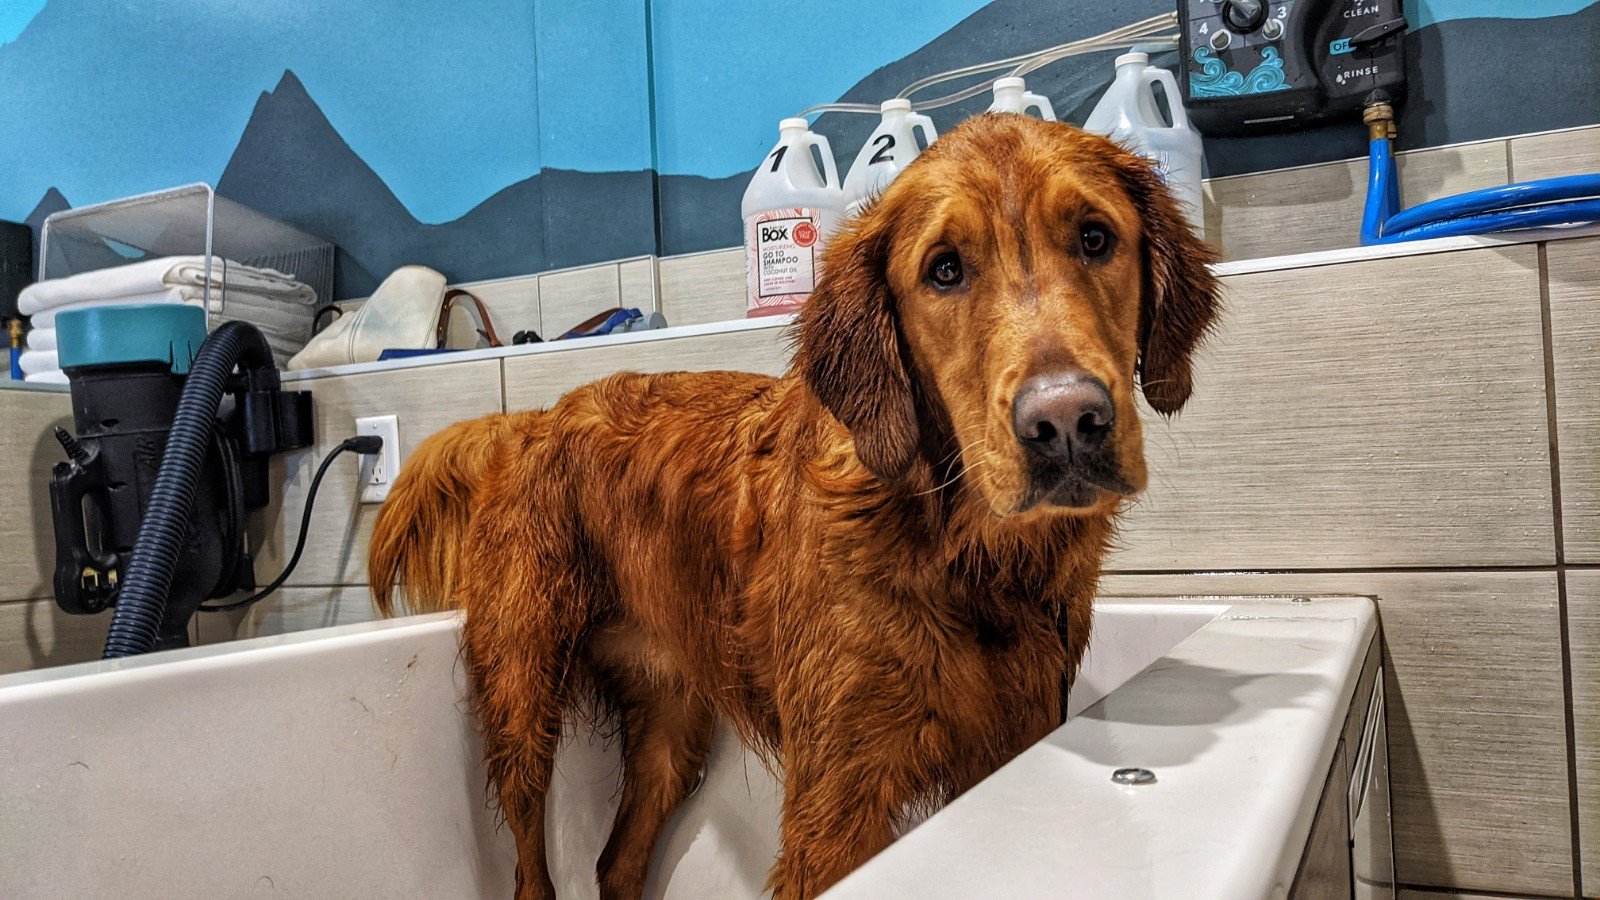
[1548, 203]
[142, 599]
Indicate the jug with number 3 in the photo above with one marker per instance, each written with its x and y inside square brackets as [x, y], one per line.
[1011, 95]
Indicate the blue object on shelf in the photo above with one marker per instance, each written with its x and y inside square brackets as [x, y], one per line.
[400, 353]
[610, 324]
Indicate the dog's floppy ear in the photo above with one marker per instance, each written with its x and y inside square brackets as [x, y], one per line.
[1180, 299]
[849, 349]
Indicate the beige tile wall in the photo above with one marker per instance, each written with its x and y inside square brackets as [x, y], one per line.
[1296, 210]
[290, 609]
[28, 450]
[513, 305]
[568, 298]
[1575, 350]
[426, 399]
[1390, 423]
[36, 633]
[571, 295]
[1319, 207]
[538, 380]
[1583, 625]
[639, 282]
[1477, 744]
[703, 287]
[1415, 894]
[1444, 465]
[1571, 152]
[33, 631]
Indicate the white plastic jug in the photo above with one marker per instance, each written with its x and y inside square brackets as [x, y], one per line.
[790, 209]
[1011, 95]
[1128, 115]
[887, 152]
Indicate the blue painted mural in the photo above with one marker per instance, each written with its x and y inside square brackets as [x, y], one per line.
[509, 136]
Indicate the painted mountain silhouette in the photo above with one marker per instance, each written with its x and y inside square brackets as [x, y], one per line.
[1454, 96]
[66, 254]
[51, 202]
[292, 164]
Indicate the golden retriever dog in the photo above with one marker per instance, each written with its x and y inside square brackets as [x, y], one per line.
[880, 566]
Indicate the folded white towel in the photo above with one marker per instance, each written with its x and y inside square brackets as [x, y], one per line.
[158, 275]
[239, 277]
[54, 376]
[47, 319]
[42, 339]
[264, 312]
[34, 362]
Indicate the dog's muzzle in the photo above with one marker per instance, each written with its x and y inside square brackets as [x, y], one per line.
[1064, 421]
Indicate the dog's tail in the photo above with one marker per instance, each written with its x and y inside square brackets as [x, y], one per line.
[422, 527]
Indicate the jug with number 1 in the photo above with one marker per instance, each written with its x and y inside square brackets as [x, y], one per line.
[790, 208]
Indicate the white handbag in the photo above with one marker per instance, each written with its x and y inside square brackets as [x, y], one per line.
[402, 313]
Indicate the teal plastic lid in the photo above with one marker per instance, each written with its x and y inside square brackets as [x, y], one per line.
[168, 333]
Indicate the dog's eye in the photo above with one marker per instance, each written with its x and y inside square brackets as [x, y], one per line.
[945, 270]
[1094, 239]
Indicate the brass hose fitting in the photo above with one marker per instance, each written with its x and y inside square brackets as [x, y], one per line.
[1379, 117]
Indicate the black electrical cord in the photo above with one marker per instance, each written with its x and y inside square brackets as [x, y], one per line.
[233, 536]
[366, 445]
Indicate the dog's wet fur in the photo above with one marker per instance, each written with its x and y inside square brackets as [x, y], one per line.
[860, 565]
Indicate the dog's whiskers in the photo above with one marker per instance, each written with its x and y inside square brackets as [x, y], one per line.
[966, 465]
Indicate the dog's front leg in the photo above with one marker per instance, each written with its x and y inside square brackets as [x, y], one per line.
[843, 789]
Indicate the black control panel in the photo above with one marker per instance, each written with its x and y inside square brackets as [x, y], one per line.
[1254, 66]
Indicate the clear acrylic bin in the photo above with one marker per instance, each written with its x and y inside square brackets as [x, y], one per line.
[195, 221]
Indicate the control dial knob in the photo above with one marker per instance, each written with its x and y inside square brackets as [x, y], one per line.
[1244, 16]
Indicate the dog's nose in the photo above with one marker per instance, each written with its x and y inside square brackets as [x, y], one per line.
[1063, 414]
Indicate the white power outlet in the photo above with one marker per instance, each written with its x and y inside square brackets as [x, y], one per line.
[379, 470]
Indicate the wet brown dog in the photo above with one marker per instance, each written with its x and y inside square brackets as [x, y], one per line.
[878, 567]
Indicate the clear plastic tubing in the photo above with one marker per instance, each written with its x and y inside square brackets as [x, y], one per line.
[1141, 32]
[1165, 21]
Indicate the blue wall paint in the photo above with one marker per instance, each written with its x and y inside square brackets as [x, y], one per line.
[594, 85]
[15, 16]
[727, 71]
[501, 136]
[104, 98]
[1421, 13]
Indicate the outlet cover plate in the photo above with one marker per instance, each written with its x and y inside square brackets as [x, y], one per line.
[379, 470]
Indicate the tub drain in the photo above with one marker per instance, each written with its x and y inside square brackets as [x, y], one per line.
[1133, 776]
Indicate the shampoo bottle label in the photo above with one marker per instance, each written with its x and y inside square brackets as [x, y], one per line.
[781, 250]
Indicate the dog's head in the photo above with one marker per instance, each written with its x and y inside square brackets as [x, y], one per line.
[992, 311]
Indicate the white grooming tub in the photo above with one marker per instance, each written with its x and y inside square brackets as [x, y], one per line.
[341, 762]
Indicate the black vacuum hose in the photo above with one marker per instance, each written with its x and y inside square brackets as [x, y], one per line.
[142, 599]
